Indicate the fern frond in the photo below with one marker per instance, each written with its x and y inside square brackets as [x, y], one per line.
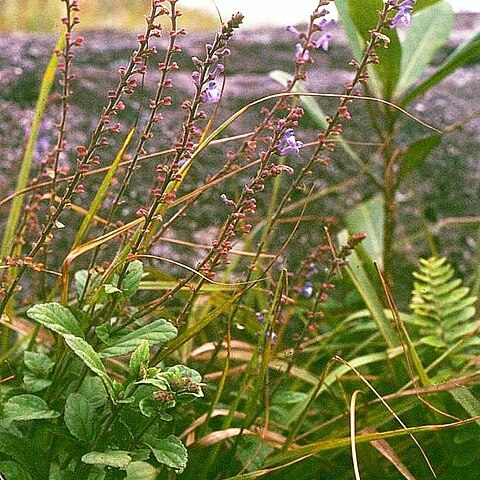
[444, 305]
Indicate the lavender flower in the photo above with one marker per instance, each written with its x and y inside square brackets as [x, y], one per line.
[403, 17]
[271, 337]
[211, 93]
[260, 317]
[322, 42]
[293, 30]
[302, 55]
[288, 144]
[226, 200]
[307, 290]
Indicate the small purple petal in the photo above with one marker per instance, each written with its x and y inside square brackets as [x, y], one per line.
[302, 55]
[211, 93]
[288, 144]
[307, 290]
[196, 79]
[293, 30]
[322, 42]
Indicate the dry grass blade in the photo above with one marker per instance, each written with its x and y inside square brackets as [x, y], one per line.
[384, 448]
[353, 402]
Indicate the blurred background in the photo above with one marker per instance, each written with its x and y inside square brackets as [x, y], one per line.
[43, 15]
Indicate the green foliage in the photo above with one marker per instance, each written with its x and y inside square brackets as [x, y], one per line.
[101, 376]
[442, 306]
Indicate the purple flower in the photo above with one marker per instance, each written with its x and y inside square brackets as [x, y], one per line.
[403, 17]
[196, 79]
[226, 200]
[322, 42]
[259, 316]
[293, 30]
[219, 69]
[324, 23]
[302, 55]
[211, 93]
[307, 290]
[271, 337]
[288, 144]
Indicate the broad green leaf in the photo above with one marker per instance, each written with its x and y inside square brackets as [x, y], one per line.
[157, 333]
[468, 52]
[35, 384]
[140, 357]
[367, 217]
[132, 278]
[13, 471]
[55, 317]
[169, 451]
[364, 16]
[416, 154]
[90, 358]
[80, 417]
[93, 389]
[464, 397]
[112, 458]
[38, 363]
[427, 33]
[141, 471]
[27, 407]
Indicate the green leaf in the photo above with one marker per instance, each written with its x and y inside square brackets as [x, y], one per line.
[467, 53]
[91, 359]
[288, 398]
[132, 278]
[364, 286]
[416, 154]
[13, 471]
[80, 417]
[55, 317]
[109, 288]
[169, 451]
[427, 33]
[139, 359]
[38, 363]
[27, 407]
[364, 15]
[157, 333]
[35, 384]
[112, 458]
[93, 389]
[141, 471]
[367, 217]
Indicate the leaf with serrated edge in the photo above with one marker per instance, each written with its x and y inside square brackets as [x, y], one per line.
[80, 417]
[27, 407]
[157, 333]
[132, 278]
[141, 471]
[169, 451]
[91, 359]
[55, 317]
